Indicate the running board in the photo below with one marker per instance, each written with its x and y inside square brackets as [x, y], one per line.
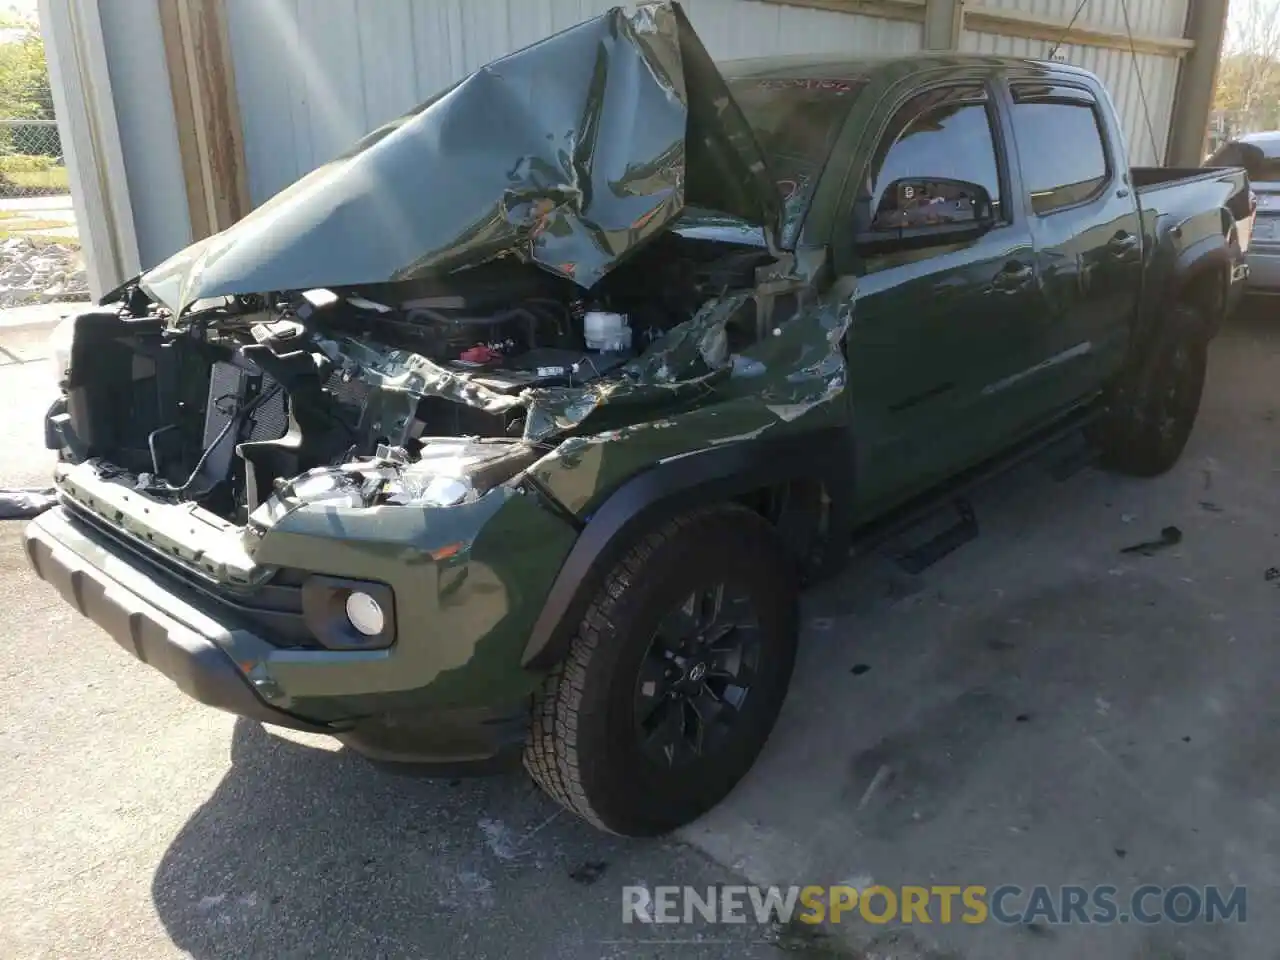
[876, 535]
[965, 528]
[1074, 456]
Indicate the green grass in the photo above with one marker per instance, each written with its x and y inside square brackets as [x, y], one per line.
[19, 225]
[54, 178]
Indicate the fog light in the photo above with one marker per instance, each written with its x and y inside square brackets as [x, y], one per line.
[365, 614]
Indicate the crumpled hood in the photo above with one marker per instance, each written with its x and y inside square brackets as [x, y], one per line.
[569, 154]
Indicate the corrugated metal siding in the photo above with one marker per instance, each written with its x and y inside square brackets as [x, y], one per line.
[1152, 18]
[148, 131]
[1116, 69]
[315, 75]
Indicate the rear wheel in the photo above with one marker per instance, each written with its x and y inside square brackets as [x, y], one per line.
[1153, 412]
[675, 677]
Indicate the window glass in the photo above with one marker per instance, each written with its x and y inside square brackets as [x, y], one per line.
[940, 134]
[1060, 152]
[796, 122]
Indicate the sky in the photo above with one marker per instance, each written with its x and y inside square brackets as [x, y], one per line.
[1252, 23]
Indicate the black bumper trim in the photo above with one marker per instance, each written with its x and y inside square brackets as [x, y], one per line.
[146, 625]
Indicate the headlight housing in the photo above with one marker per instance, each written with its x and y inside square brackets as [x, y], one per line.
[450, 471]
[447, 471]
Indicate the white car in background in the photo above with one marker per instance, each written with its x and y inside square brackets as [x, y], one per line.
[1259, 154]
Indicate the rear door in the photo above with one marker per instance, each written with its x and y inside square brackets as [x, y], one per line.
[934, 326]
[1086, 230]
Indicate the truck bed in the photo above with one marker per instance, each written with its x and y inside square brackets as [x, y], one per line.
[1146, 179]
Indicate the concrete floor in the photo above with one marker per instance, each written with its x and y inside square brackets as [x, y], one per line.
[1041, 708]
[1037, 708]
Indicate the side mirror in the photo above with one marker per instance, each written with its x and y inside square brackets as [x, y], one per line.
[921, 212]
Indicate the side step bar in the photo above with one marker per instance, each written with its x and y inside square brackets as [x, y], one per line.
[920, 558]
[1064, 440]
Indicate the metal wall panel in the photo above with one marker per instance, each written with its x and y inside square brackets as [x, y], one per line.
[1119, 71]
[1152, 18]
[134, 50]
[314, 75]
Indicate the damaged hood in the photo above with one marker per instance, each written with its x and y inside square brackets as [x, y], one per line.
[570, 154]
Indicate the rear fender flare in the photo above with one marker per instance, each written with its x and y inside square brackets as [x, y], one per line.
[670, 487]
[1208, 257]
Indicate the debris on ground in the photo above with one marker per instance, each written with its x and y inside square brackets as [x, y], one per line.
[588, 872]
[1272, 574]
[1169, 537]
[25, 504]
[40, 271]
[1210, 506]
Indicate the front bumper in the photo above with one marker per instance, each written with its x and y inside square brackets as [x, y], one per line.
[160, 628]
[176, 632]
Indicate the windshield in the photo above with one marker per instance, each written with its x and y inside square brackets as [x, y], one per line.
[796, 122]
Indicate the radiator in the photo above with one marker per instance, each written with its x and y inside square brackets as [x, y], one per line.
[230, 389]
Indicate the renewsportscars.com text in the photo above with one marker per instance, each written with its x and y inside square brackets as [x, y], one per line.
[971, 904]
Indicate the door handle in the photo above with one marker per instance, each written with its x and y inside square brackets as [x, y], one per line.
[1013, 277]
[1122, 243]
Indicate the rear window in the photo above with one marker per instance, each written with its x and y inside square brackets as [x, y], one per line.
[796, 122]
[1062, 157]
[1260, 167]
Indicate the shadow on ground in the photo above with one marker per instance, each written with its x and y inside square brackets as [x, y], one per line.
[304, 851]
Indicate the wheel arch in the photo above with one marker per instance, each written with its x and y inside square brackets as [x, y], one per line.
[802, 483]
[1201, 277]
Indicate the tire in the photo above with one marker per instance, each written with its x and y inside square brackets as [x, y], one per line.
[1151, 415]
[598, 743]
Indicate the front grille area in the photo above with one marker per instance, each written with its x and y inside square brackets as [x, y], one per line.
[232, 389]
[272, 610]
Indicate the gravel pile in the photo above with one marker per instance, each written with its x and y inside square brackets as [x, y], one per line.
[34, 271]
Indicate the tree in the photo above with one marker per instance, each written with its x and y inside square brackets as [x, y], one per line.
[24, 76]
[1249, 75]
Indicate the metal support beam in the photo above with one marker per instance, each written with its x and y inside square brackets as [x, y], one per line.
[912, 10]
[1206, 23]
[943, 21]
[210, 135]
[90, 138]
[1016, 23]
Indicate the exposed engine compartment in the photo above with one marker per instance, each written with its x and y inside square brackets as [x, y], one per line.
[325, 392]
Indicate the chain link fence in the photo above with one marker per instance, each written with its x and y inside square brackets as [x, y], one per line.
[31, 162]
[40, 256]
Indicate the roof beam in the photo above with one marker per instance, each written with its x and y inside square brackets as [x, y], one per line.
[1015, 23]
[913, 10]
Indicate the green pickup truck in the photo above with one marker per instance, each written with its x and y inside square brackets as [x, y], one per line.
[516, 430]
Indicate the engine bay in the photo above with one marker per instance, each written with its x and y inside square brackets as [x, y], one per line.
[329, 395]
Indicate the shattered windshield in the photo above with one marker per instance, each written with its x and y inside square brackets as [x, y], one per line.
[796, 122]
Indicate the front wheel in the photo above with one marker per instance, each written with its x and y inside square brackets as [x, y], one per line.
[1150, 418]
[675, 677]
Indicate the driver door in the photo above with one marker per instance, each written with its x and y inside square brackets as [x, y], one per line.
[940, 330]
